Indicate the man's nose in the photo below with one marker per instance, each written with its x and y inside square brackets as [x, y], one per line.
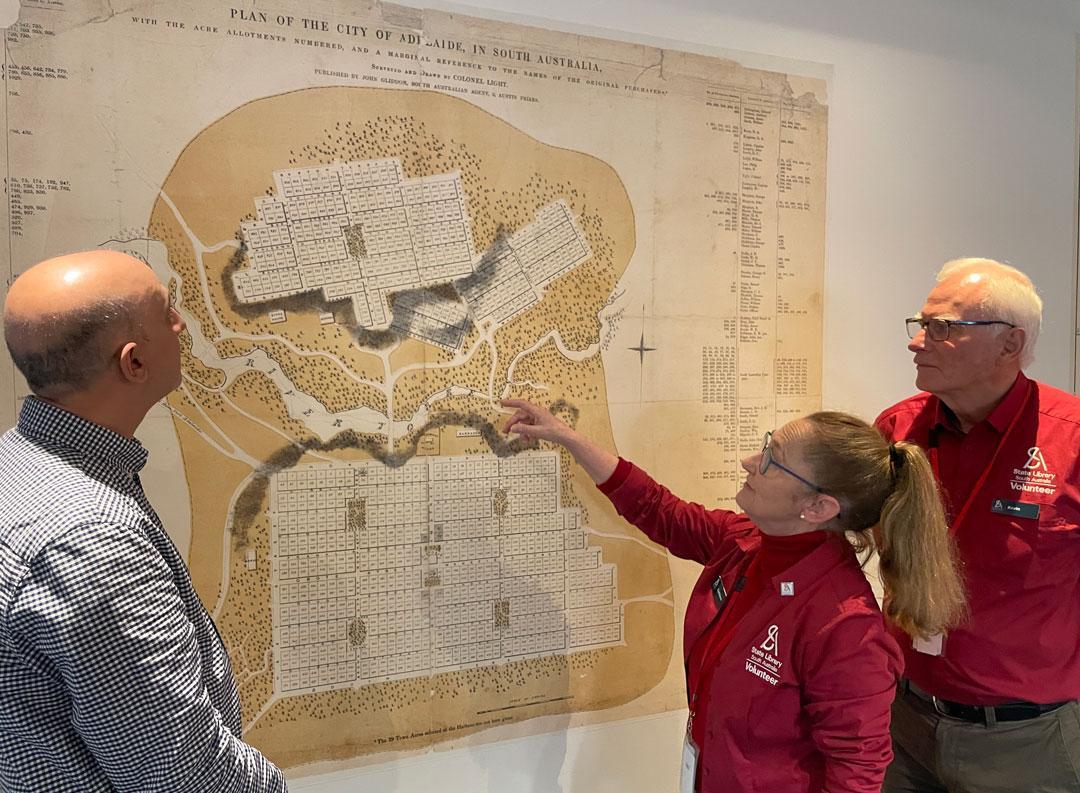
[918, 344]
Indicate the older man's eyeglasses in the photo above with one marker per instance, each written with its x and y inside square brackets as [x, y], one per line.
[767, 461]
[937, 329]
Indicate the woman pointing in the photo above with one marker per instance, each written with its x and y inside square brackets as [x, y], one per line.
[790, 669]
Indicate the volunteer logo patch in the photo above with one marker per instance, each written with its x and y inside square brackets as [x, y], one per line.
[1034, 476]
[1035, 459]
[763, 661]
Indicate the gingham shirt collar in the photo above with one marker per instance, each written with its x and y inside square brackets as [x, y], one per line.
[43, 421]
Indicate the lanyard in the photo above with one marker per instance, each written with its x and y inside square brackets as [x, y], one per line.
[709, 655]
[965, 508]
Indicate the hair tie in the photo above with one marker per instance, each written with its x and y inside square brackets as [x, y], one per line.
[896, 458]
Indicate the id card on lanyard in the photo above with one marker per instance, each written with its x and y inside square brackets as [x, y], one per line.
[688, 770]
[691, 753]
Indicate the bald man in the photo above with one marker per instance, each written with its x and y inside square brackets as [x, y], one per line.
[112, 675]
[992, 706]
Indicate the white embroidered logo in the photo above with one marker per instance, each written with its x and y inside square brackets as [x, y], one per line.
[1035, 476]
[762, 661]
[769, 645]
[1035, 460]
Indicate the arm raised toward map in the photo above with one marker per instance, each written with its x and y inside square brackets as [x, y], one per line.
[686, 529]
[534, 422]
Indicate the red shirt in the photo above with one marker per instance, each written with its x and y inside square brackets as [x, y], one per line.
[1019, 540]
[776, 555]
[799, 700]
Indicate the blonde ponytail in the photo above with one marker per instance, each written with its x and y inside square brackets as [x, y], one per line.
[889, 502]
[924, 592]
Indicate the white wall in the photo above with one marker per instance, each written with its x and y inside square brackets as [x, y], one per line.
[952, 129]
[952, 132]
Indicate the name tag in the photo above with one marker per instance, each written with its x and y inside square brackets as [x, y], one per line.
[688, 772]
[719, 593]
[1019, 509]
[932, 646]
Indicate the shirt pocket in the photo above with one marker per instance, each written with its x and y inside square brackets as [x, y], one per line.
[1014, 550]
[1057, 543]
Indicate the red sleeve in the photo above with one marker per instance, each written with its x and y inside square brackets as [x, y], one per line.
[688, 530]
[849, 681]
[618, 476]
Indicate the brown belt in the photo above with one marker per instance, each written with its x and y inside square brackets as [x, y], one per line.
[981, 714]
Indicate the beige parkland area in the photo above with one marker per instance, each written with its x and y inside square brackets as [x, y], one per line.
[229, 426]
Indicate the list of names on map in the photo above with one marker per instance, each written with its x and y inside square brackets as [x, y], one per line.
[377, 222]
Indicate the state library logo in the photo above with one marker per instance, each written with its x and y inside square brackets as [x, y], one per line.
[1034, 476]
[762, 661]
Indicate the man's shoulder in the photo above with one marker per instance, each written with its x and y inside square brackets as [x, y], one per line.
[906, 410]
[32, 471]
[46, 491]
[1058, 405]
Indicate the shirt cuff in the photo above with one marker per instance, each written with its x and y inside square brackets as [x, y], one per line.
[618, 476]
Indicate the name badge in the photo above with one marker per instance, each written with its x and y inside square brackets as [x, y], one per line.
[719, 593]
[688, 771]
[932, 646]
[1019, 509]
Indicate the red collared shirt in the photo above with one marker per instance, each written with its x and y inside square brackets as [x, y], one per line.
[799, 699]
[1019, 541]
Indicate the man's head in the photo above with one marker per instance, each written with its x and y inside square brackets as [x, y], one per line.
[94, 325]
[984, 357]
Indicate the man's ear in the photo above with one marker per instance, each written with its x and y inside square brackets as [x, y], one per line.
[132, 366]
[1013, 342]
[822, 509]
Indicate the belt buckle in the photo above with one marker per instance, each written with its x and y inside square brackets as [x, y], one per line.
[938, 709]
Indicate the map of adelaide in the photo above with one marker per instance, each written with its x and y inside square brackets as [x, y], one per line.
[378, 221]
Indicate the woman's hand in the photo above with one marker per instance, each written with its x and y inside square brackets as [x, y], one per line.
[533, 422]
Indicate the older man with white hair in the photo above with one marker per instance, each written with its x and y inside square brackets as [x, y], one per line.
[992, 705]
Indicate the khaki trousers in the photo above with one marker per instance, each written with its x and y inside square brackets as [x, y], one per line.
[937, 754]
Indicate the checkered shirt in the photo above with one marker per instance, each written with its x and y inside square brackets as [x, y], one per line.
[112, 675]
